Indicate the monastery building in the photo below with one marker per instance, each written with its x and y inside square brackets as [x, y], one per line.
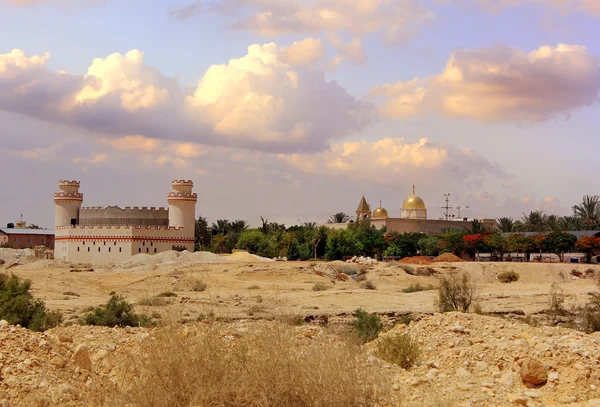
[100, 235]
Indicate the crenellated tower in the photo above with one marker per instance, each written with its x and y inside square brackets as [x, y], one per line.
[182, 206]
[68, 203]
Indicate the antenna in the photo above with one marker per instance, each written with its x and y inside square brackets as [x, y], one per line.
[460, 207]
[447, 207]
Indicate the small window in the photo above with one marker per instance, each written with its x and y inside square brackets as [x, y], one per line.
[143, 243]
[43, 240]
[147, 249]
[94, 243]
[155, 250]
[98, 250]
[109, 249]
[78, 249]
[151, 244]
[119, 250]
[84, 242]
[104, 243]
[140, 250]
[88, 249]
[115, 243]
[29, 240]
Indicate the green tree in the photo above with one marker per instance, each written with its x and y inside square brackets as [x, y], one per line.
[452, 242]
[589, 245]
[497, 244]
[429, 245]
[202, 234]
[560, 243]
[339, 217]
[535, 221]
[588, 211]
[238, 226]
[505, 225]
[477, 227]
[402, 245]
[223, 226]
[341, 243]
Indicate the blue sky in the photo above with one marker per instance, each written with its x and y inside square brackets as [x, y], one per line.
[289, 130]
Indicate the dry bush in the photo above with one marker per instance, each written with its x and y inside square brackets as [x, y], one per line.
[557, 300]
[154, 302]
[266, 368]
[408, 269]
[368, 285]
[508, 276]
[349, 269]
[254, 287]
[199, 285]
[367, 326]
[399, 349]
[361, 277]
[167, 294]
[319, 287]
[415, 288]
[457, 293]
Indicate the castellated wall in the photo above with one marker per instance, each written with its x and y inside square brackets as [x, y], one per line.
[105, 244]
[114, 215]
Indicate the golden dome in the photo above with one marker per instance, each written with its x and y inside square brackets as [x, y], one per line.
[380, 213]
[413, 202]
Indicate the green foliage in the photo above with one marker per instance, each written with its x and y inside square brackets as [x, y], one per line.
[398, 349]
[258, 243]
[402, 245]
[293, 251]
[202, 234]
[559, 243]
[452, 242]
[341, 243]
[591, 314]
[415, 288]
[497, 244]
[367, 326]
[17, 305]
[457, 293]
[508, 276]
[116, 312]
[429, 246]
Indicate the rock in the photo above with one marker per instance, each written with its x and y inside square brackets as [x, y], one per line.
[65, 338]
[3, 324]
[81, 357]
[569, 399]
[516, 399]
[482, 366]
[533, 372]
[553, 376]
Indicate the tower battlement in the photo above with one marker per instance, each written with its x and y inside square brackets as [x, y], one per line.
[125, 209]
[68, 195]
[116, 227]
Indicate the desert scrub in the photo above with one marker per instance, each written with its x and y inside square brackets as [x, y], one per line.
[167, 294]
[367, 326]
[153, 302]
[254, 287]
[368, 285]
[71, 293]
[199, 285]
[456, 293]
[399, 349]
[319, 287]
[415, 288]
[349, 269]
[508, 276]
[205, 370]
[117, 311]
[17, 305]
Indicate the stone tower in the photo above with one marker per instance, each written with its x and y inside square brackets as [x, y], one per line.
[364, 210]
[68, 203]
[182, 206]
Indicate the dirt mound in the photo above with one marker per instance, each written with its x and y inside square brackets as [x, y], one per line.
[245, 257]
[477, 360]
[416, 260]
[447, 258]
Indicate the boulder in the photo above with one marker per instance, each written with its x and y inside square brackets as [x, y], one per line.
[533, 372]
[81, 357]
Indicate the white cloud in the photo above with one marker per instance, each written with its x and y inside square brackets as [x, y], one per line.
[591, 7]
[396, 20]
[500, 84]
[261, 101]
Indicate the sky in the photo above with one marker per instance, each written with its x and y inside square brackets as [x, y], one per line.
[291, 110]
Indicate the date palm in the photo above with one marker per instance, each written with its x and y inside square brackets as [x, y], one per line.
[536, 221]
[339, 217]
[589, 211]
[505, 225]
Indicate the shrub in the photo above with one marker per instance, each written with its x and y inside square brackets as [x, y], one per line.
[199, 286]
[349, 269]
[591, 314]
[415, 288]
[117, 311]
[17, 305]
[368, 285]
[261, 368]
[367, 326]
[456, 293]
[508, 276]
[71, 293]
[408, 269]
[400, 350]
[557, 300]
[153, 301]
[360, 277]
[167, 294]
[254, 287]
[319, 287]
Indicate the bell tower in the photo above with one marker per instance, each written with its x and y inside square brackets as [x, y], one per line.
[364, 210]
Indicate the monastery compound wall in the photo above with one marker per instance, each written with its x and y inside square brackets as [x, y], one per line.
[97, 235]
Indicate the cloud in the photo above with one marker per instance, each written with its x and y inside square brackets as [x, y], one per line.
[591, 7]
[385, 161]
[262, 101]
[352, 51]
[396, 20]
[500, 84]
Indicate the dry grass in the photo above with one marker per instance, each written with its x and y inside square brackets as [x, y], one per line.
[508, 277]
[400, 350]
[368, 285]
[198, 285]
[319, 287]
[266, 367]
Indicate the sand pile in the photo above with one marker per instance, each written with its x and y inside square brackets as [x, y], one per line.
[447, 258]
[477, 361]
[416, 260]
[245, 257]
[11, 256]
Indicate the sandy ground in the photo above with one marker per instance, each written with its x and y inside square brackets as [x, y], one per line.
[261, 289]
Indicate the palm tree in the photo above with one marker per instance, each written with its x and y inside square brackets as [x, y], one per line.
[238, 226]
[536, 221]
[588, 211]
[477, 227]
[339, 217]
[553, 222]
[505, 225]
[570, 223]
[222, 226]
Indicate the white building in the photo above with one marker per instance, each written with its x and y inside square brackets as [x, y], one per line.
[100, 235]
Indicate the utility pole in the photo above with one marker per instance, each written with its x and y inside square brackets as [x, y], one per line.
[459, 208]
[447, 207]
